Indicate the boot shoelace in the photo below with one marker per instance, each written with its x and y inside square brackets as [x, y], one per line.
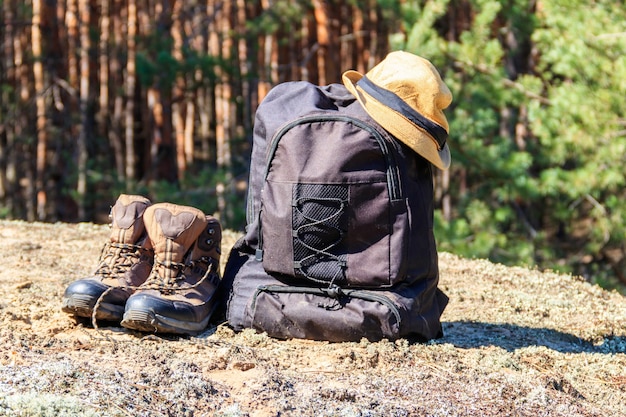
[166, 282]
[171, 284]
[166, 285]
[117, 258]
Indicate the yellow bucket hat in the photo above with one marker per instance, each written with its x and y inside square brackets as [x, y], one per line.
[404, 93]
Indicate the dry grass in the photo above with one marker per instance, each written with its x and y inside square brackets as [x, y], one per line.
[517, 343]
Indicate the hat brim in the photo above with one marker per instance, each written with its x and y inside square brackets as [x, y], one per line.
[398, 125]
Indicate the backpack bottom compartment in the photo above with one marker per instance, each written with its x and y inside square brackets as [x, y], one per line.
[264, 303]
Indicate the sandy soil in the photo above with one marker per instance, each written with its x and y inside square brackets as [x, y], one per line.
[517, 342]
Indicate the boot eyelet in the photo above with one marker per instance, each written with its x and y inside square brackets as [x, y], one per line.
[209, 242]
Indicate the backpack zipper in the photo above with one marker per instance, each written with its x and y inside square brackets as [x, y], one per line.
[333, 292]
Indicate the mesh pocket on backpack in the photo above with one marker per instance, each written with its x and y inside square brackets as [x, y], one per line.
[319, 221]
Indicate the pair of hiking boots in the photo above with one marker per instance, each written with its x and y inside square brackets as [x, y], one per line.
[158, 272]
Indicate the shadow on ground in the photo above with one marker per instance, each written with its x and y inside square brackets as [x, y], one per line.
[471, 334]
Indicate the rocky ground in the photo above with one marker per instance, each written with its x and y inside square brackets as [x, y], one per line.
[517, 342]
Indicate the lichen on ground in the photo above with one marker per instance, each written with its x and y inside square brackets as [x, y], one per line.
[517, 341]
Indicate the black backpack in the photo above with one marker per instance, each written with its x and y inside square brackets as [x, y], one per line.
[339, 240]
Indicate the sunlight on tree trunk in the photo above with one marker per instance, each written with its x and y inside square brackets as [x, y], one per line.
[178, 91]
[42, 134]
[267, 71]
[323, 39]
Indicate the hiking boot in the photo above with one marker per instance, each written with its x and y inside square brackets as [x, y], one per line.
[125, 263]
[179, 295]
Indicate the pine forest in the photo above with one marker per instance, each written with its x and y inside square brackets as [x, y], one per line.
[157, 97]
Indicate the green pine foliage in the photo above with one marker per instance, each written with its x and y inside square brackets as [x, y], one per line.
[538, 129]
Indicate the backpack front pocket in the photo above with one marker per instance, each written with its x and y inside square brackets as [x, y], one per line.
[332, 234]
[324, 314]
[332, 210]
[307, 238]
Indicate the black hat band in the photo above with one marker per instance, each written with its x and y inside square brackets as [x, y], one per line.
[394, 102]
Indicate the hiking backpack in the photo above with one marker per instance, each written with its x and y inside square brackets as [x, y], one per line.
[339, 240]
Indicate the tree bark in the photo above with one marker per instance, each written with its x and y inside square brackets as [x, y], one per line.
[223, 94]
[178, 90]
[323, 38]
[19, 173]
[42, 136]
[85, 127]
[131, 79]
[7, 76]
[114, 128]
[166, 157]
[103, 68]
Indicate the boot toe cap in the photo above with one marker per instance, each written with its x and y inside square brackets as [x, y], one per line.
[149, 312]
[92, 289]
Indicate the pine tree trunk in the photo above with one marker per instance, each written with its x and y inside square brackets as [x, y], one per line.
[188, 132]
[42, 136]
[243, 58]
[165, 150]
[267, 71]
[7, 76]
[203, 130]
[103, 70]
[85, 45]
[129, 116]
[323, 38]
[178, 104]
[358, 30]
[114, 128]
[23, 199]
[223, 96]
[369, 60]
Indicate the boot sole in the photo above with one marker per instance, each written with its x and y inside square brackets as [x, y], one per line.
[82, 306]
[148, 321]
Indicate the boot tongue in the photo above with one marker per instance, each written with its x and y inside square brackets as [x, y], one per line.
[173, 229]
[127, 218]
